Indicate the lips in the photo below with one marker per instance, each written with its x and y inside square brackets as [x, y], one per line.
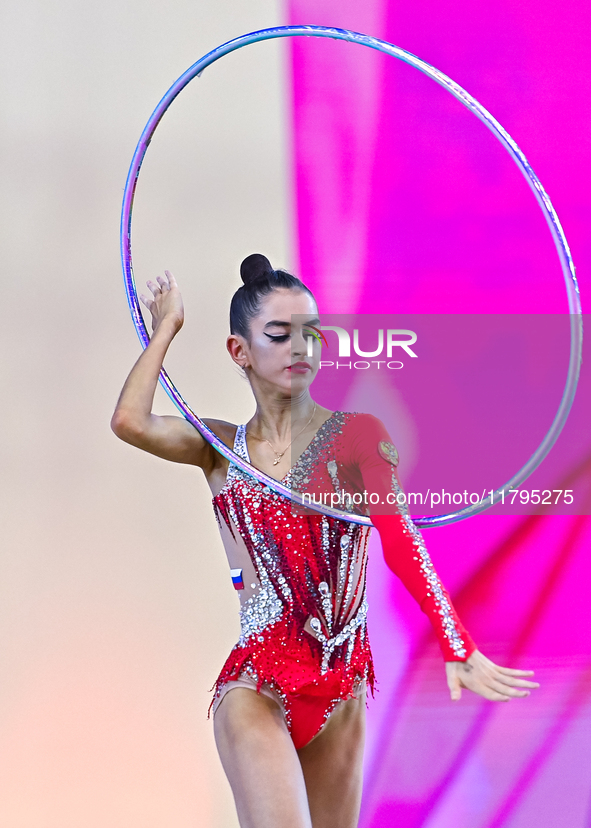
[300, 367]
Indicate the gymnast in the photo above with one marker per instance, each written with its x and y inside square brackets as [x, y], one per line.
[289, 704]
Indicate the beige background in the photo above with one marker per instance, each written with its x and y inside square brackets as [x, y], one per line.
[116, 607]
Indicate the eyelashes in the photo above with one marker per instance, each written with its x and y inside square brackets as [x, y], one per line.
[283, 337]
[279, 338]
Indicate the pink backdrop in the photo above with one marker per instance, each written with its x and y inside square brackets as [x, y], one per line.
[406, 203]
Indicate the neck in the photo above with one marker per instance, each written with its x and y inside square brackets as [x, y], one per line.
[275, 418]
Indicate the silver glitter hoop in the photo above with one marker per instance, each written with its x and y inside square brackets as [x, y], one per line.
[560, 242]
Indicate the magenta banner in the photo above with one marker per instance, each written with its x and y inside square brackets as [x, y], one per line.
[467, 400]
[407, 205]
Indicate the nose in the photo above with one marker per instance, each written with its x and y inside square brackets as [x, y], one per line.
[299, 344]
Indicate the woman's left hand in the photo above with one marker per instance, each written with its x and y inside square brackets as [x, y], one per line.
[481, 675]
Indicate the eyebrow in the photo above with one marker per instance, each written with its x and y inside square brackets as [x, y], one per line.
[277, 323]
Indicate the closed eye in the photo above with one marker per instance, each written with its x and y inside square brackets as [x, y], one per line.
[278, 338]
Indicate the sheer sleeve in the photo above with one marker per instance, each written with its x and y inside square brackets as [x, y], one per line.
[374, 454]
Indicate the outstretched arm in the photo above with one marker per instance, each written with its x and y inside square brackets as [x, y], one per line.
[406, 554]
[172, 438]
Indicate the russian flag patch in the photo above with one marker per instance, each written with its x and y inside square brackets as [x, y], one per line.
[237, 579]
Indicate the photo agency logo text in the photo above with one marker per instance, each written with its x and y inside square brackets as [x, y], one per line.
[387, 341]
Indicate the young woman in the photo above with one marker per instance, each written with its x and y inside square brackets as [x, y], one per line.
[289, 705]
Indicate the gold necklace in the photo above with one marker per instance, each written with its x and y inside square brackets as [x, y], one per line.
[279, 455]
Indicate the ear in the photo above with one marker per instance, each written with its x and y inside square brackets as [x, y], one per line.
[237, 348]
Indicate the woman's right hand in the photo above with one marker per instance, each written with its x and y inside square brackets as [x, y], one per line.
[166, 303]
[170, 437]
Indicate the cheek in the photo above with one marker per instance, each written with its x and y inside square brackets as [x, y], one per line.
[272, 355]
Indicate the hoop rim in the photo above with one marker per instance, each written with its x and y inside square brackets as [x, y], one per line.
[558, 236]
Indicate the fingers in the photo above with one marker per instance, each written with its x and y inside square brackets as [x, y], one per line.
[508, 676]
[455, 687]
[481, 675]
[164, 283]
[487, 688]
[493, 686]
[479, 661]
[510, 672]
[515, 682]
[147, 302]
[505, 690]
[493, 695]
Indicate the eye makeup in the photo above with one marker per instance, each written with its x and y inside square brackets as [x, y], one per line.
[278, 338]
[284, 337]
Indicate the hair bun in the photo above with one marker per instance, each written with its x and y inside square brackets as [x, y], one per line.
[255, 267]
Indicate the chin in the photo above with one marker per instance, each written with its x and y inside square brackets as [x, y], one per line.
[296, 387]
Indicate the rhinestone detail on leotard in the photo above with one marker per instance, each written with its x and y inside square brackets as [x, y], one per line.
[303, 630]
[311, 572]
[426, 565]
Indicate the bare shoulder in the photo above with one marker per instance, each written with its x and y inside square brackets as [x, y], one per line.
[222, 428]
[226, 432]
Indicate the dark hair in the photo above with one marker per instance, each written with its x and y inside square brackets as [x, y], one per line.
[259, 280]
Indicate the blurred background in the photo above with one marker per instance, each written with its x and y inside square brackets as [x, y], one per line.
[116, 608]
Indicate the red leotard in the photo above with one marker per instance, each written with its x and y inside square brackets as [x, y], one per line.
[303, 609]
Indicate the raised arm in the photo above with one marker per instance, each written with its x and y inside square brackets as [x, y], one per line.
[170, 437]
